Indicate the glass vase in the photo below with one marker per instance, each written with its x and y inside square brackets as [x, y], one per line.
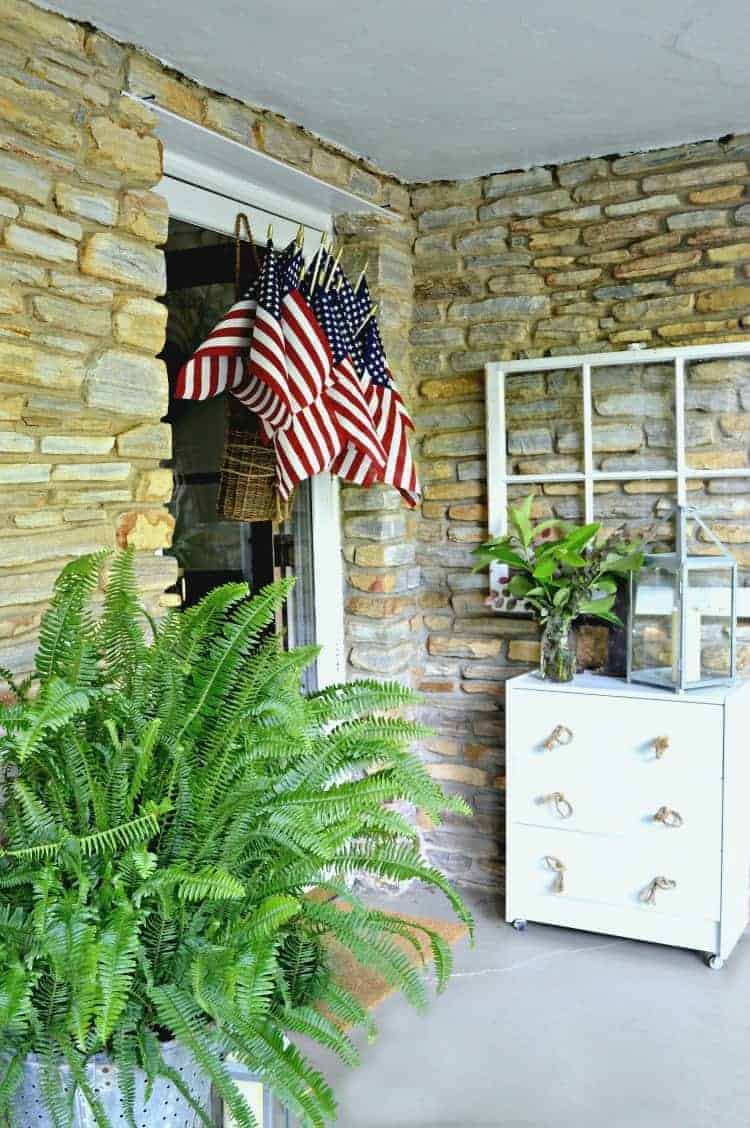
[557, 660]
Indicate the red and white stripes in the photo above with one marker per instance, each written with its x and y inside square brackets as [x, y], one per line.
[218, 363]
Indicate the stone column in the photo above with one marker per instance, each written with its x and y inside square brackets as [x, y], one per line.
[383, 626]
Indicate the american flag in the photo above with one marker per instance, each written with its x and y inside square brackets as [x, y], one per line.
[363, 304]
[218, 363]
[392, 424]
[345, 397]
[309, 441]
[308, 357]
[266, 363]
[349, 309]
[258, 396]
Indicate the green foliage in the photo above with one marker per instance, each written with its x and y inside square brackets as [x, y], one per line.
[173, 797]
[561, 569]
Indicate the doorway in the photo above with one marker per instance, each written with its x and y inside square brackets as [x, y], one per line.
[210, 550]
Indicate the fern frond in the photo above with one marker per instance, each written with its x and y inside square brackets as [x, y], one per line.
[125, 1049]
[120, 635]
[116, 968]
[11, 1080]
[56, 706]
[314, 1025]
[177, 1012]
[65, 627]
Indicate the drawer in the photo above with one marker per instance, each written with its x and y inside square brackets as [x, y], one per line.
[571, 797]
[598, 740]
[613, 871]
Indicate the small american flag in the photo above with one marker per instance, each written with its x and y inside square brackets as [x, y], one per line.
[267, 361]
[392, 424]
[254, 392]
[345, 397]
[308, 357]
[349, 309]
[309, 441]
[218, 363]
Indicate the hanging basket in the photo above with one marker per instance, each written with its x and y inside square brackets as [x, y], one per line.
[247, 484]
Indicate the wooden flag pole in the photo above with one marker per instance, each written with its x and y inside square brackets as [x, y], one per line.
[333, 269]
[370, 314]
[362, 274]
[318, 256]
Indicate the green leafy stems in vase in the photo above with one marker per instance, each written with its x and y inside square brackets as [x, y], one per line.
[559, 571]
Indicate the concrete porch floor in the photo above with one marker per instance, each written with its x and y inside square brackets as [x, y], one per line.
[557, 1029]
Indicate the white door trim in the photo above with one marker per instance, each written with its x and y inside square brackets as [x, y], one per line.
[206, 207]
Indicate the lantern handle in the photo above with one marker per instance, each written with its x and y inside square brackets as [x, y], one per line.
[694, 515]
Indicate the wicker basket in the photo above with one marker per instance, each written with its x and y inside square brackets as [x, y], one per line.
[247, 485]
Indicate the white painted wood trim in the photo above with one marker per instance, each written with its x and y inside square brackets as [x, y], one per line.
[588, 453]
[205, 208]
[328, 574]
[187, 201]
[497, 495]
[679, 428]
[623, 356]
[202, 156]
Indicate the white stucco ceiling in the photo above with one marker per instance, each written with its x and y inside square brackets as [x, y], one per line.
[434, 89]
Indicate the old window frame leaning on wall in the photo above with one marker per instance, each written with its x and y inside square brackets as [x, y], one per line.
[498, 478]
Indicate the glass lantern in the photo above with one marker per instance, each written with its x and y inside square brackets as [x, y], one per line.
[682, 625]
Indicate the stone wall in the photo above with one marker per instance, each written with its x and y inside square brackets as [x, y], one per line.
[586, 257]
[382, 577]
[81, 393]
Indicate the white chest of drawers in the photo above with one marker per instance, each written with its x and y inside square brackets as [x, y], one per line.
[628, 810]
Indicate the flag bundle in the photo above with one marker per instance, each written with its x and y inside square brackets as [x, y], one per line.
[302, 350]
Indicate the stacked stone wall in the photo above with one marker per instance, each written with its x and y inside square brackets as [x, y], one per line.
[592, 256]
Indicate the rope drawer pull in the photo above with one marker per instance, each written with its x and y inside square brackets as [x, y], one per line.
[560, 734]
[648, 895]
[558, 868]
[660, 746]
[667, 817]
[563, 806]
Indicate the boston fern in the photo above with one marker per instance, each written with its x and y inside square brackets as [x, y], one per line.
[171, 800]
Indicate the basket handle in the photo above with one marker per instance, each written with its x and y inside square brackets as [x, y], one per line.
[241, 221]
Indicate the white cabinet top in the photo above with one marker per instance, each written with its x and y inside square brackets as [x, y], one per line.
[597, 684]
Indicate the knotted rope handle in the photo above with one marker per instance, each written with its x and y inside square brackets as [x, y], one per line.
[667, 817]
[661, 744]
[558, 868]
[648, 895]
[560, 734]
[563, 806]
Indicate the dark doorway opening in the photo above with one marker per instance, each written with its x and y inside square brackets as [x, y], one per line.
[210, 550]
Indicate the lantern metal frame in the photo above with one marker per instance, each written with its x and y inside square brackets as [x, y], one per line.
[680, 564]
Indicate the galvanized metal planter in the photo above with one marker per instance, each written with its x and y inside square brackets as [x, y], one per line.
[166, 1106]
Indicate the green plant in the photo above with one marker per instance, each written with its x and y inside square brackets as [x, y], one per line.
[560, 569]
[173, 797]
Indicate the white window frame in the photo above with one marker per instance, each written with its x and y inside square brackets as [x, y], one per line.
[498, 478]
[207, 180]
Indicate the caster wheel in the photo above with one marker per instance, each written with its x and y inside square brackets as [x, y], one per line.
[716, 963]
[519, 924]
